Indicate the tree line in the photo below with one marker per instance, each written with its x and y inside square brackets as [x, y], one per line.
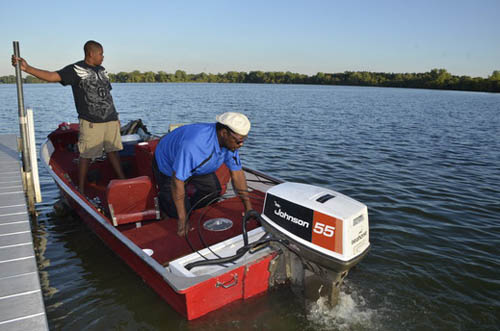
[434, 79]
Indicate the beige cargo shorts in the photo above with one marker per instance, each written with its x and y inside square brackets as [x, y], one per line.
[95, 138]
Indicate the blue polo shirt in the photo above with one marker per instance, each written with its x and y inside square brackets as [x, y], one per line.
[185, 148]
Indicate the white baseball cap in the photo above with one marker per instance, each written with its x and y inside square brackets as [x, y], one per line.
[237, 122]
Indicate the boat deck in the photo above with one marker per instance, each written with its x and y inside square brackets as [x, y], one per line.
[160, 236]
[156, 234]
[21, 301]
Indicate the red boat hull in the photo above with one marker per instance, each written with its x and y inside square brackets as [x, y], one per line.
[194, 302]
[191, 297]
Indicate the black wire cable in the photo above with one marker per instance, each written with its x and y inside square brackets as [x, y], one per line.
[193, 207]
[246, 247]
[187, 222]
[242, 251]
[199, 226]
[249, 214]
[258, 180]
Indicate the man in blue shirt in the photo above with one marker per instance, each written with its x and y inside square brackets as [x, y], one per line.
[192, 153]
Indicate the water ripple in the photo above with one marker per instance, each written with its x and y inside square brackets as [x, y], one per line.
[425, 162]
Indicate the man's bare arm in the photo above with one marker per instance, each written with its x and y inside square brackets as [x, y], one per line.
[49, 76]
[178, 195]
[241, 188]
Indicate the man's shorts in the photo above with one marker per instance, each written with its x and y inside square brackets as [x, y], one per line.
[96, 137]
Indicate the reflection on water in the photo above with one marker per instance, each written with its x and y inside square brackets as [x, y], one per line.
[40, 242]
[427, 164]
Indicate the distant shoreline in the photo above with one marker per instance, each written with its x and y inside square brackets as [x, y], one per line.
[434, 79]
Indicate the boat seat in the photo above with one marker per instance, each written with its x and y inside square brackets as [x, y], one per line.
[132, 200]
[144, 152]
[224, 176]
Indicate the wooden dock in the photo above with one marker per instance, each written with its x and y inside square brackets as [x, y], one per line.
[21, 301]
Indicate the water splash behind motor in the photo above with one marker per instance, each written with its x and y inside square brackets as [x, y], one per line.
[350, 313]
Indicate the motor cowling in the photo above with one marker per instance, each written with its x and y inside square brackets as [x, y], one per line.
[321, 225]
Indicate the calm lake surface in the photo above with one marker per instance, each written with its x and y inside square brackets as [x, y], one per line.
[427, 164]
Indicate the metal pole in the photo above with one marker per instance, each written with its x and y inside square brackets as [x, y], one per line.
[22, 112]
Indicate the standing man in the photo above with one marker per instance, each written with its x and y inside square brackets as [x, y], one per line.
[192, 153]
[99, 124]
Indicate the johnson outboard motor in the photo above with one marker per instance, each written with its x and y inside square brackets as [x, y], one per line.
[327, 234]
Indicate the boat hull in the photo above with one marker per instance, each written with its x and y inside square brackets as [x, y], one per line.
[191, 297]
[240, 283]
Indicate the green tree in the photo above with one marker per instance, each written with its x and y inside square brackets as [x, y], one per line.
[495, 75]
[135, 77]
[122, 77]
[161, 77]
[234, 77]
[11, 79]
[180, 76]
[436, 79]
[255, 77]
[211, 78]
[149, 77]
[33, 80]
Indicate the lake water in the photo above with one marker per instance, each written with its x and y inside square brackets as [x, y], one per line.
[427, 164]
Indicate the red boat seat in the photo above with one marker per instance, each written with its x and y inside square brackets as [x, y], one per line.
[132, 200]
[144, 152]
[224, 176]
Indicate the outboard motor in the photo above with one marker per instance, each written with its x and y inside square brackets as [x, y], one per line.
[327, 233]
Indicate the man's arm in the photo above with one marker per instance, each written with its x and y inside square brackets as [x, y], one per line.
[241, 188]
[49, 76]
[178, 194]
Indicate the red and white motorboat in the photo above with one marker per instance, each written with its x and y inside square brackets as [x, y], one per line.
[299, 233]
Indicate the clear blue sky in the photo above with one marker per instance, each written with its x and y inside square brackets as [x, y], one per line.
[214, 36]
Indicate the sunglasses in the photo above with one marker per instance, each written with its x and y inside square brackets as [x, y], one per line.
[237, 139]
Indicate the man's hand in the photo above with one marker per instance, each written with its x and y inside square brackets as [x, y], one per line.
[22, 62]
[241, 188]
[182, 230]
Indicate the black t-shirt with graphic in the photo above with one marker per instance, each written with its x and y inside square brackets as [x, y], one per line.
[91, 90]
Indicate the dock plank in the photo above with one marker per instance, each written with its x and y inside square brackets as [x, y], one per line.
[15, 252]
[6, 211]
[35, 322]
[21, 300]
[19, 284]
[15, 239]
[14, 227]
[11, 187]
[31, 303]
[12, 268]
[12, 198]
